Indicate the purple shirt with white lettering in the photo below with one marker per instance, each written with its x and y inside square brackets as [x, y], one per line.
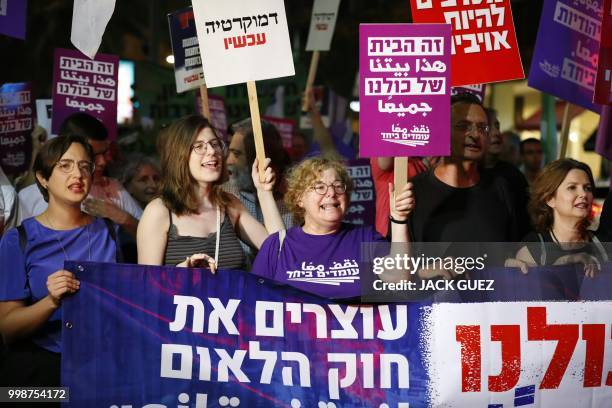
[325, 265]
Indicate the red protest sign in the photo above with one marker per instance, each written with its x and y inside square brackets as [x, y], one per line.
[484, 45]
[603, 84]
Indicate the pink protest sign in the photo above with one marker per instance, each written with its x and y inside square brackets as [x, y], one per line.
[218, 116]
[404, 89]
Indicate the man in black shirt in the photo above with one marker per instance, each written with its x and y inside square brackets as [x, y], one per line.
[455, 202]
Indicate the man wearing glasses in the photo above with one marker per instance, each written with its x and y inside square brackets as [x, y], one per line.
[456, 202]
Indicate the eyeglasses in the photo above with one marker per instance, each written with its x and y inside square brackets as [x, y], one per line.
[217, 145]
[322, 188]
[67, 165]
[481, 128]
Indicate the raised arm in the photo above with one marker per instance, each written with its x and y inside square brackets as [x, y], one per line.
[320, 133]
[401, 204]
[152, 233]
[272, 218]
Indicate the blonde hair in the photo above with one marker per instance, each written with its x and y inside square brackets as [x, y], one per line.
[305, 174]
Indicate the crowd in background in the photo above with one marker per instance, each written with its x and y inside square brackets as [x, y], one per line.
[209, 203]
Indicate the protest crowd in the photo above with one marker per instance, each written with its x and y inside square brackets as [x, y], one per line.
[244, 196]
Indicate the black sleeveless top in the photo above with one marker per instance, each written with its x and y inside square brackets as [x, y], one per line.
[179, 247]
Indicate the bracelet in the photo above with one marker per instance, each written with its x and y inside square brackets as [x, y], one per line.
[393, 220]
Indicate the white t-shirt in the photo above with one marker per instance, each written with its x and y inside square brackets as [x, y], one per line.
[34, 204]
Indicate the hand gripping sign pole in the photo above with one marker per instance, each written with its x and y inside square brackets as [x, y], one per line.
[244, 41]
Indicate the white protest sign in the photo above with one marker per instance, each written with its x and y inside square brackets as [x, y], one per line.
[541, 354]
[322, 24]
[43, 114]
[243, 40]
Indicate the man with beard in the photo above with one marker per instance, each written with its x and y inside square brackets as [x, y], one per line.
[240, 162]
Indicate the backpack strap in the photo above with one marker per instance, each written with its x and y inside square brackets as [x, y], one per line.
[281, 238]
[23, 237]
[110, 226]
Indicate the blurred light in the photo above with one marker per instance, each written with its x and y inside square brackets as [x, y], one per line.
[354, 105]
[170, 59]
[573, 137]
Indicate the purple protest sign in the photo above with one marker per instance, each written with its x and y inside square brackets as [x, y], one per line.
[84, 85]
[477, 90]
[218, 116]
[13, 18]
[362, 209]
[565, 59]
[404, 89]
[16, 124]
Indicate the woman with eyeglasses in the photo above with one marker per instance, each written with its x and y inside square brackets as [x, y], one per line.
[33, 282]
[322, 256]
[194, 223]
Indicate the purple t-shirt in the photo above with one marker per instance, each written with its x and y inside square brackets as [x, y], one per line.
[326, 265]
[23, 276]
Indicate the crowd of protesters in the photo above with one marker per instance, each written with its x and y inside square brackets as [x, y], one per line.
[207, 205]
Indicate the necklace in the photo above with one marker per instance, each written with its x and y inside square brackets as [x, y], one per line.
[59, 241]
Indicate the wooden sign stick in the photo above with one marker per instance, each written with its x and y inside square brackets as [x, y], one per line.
[565, 130]
[260, 150]
[312, 73]
[204, 101]
[400, 173]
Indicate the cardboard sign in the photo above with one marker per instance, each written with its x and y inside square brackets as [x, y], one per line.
[565, 58]
[484, 42]
[243, 40]
[218, 116]
[404, 90]
[322, 24]
[13, 18]
[603, 84]
[16, 124]
[84, 85]
[186, 50]
[476, 90]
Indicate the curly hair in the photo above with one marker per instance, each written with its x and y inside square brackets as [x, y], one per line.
[178, 188]
[304, 175]
[545, 187]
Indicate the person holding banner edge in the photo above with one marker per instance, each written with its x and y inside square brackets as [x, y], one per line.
[322, 255]
[194, 218]
[33, 282]
[560, 208]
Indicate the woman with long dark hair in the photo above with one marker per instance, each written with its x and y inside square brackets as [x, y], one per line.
[194, 222]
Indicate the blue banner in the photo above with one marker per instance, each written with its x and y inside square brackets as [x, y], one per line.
[188, 70]
[136, 335]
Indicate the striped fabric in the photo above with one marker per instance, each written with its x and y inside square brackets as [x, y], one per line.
[231, 255]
